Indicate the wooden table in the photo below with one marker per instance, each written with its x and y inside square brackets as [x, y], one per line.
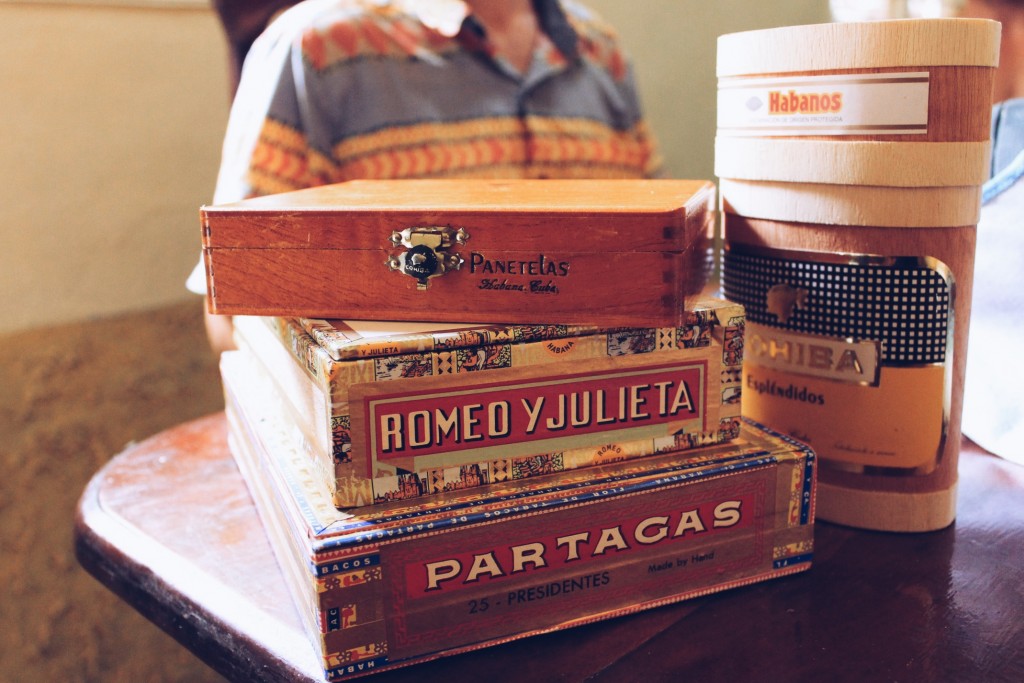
[168, 525]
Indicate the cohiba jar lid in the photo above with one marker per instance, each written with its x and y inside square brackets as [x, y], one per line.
[892, 164]
[860, 45]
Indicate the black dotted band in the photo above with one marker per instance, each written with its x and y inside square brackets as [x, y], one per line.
[902, 303]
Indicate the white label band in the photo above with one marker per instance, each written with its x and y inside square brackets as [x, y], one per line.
[857, 104]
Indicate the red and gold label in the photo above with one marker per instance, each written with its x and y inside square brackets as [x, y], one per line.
[505, 413]
[549, 569]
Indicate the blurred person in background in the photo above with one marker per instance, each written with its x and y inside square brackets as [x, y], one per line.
[337, 90]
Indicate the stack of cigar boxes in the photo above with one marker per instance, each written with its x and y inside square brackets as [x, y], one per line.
[560, 442]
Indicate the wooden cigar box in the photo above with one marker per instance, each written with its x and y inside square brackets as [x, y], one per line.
[389, 411]
[386, 586]
[614, 252]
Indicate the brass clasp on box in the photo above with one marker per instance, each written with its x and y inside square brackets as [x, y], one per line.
[425, 256]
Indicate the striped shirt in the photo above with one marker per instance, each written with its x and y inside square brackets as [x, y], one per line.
[336, 90]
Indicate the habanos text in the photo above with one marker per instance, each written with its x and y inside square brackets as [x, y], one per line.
[780, 103]
[537, 409]
[598, 543]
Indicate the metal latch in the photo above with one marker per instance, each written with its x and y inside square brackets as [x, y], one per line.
[426, 254]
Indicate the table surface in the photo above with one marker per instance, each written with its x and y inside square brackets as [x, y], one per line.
[169, 526]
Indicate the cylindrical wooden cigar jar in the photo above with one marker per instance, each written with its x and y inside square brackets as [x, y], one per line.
[850, 159]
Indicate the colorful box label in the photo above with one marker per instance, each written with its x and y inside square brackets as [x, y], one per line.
[546, 410]
[402, 411]
[834, 104]
[549, 569]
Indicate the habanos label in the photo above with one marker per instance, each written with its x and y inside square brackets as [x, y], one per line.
[848, 353]
[854, 104]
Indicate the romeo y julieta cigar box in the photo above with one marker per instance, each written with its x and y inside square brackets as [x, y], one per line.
[388, 585]
[393, 411]
[618, 252]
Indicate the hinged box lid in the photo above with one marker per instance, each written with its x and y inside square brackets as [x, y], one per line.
[620, 252]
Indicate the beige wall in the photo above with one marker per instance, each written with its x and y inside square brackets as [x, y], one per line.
[111, 118]
[672, 43]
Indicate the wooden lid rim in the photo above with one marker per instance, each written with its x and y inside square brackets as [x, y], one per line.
[857, 205]
[895, 164]
[860, 45]
[887, 510]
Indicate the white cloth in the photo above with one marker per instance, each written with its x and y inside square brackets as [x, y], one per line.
[993, 412]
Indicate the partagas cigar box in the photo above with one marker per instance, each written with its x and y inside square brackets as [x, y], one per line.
[394, 411]
[386, 586]
[618, 252]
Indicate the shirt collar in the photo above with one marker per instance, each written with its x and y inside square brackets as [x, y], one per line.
[557, 27]
[450, 17]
